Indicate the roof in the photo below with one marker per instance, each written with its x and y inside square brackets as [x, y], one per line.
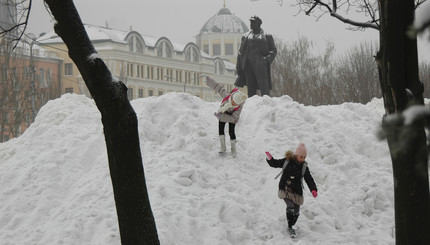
[104, 34]
[224, 22]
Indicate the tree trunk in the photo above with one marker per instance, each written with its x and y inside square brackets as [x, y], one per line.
[135, 217]
[407, 144]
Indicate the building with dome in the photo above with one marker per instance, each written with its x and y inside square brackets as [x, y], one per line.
[148, 66]
[220, 36]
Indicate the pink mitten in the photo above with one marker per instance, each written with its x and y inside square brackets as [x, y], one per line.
[268, 155]
[314, 193]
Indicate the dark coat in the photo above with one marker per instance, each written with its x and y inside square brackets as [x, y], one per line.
[292, 174]
[259, 49]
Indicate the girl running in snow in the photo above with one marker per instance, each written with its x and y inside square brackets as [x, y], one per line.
[229, 112]
[294, 168]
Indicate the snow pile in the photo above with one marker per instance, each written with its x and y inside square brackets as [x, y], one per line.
[56, 185]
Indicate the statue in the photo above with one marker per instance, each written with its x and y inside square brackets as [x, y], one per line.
[257, 51]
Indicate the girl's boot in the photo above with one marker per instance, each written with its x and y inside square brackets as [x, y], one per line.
[222, 143]
[233, 148]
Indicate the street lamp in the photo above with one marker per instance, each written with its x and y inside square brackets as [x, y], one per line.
[32, 37]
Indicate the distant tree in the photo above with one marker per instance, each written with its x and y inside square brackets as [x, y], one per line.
[136, 221]
[318, 79]
[356, 74]
[301, 74]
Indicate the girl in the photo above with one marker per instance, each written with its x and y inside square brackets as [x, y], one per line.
[290, 186]
[229, 112]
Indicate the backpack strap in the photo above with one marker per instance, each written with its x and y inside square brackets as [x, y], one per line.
[305, 164]
[283, 167]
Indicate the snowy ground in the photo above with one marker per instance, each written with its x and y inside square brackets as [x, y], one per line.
[56, 189]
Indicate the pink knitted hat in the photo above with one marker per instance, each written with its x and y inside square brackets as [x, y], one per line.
[301, 150]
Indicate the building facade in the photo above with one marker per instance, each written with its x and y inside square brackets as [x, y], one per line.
[29, 78]
[148, 66]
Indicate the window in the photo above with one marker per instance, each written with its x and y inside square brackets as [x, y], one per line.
[206, 48]
[196, 79]
[68, 69]
[140, 92]
[69, 91]
[130, 93]
[27, 73]
[139, 47]
[192, 54]
[195, 56]
[169, 75]
[160, 93]
[150, 92]
[187, 77]
[131, 44]
[219, 68]
[42, 80]
[130, 70]
[217, 49]
[168, 53]
[48, 76]
[160, 74]
[27, 119]
[228, 49]
[179, 76]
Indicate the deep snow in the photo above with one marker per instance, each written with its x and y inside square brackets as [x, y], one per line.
[56, 189]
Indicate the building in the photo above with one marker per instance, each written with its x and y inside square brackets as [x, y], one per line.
[8, 17]
[29, 78]
[148, 66]
[221, 35]
[41, 69]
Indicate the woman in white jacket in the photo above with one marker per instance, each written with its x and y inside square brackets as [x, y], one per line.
[228, 112]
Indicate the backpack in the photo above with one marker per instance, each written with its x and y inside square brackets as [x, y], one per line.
[305, 164]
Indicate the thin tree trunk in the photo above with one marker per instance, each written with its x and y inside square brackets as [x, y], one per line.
[135, 217]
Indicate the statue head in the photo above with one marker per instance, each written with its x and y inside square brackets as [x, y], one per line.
[255, 23]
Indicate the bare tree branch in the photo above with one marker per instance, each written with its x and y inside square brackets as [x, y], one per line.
[332, 10]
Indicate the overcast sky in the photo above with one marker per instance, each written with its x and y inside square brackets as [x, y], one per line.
[180, 21]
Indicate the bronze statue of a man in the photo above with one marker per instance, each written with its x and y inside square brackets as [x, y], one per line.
[257, 51]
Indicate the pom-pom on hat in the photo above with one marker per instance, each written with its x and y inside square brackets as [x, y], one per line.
[301, 150]
[239, 97]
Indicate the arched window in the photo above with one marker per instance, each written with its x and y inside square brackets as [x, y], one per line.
[164, 49]
[135, 43]
[192, 54]
[131, 44]
[219, 67]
